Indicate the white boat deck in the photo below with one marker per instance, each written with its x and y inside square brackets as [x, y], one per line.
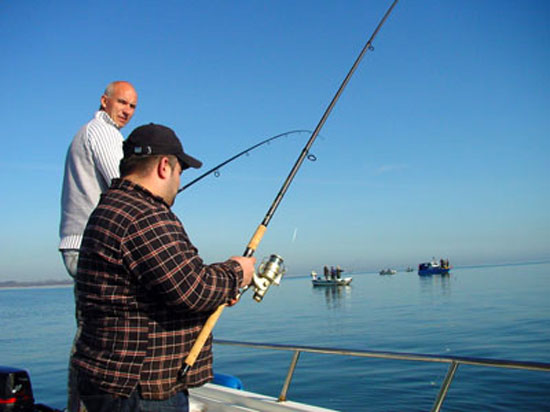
[216, 398]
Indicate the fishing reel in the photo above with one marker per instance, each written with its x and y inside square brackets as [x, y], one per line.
[269, 272]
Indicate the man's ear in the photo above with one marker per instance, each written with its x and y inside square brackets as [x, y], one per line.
[164, 168]
[103, 102]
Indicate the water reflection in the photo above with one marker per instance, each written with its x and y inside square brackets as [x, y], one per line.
[334, 295]
[433, 283]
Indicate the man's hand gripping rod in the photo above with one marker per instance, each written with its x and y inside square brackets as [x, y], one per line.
[263, 282]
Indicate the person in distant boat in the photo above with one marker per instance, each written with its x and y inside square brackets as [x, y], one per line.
[332, 273]
[338, 272]
[326, 273]
[143, 292]
[92, 161]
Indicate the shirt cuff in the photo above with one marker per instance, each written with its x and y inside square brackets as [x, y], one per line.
[238, 271]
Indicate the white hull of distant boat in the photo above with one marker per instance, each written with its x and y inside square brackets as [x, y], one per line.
[332, 282]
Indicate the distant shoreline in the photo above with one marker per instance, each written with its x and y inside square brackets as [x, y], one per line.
[42, 284]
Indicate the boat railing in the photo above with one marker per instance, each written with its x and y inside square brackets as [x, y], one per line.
[453, 361]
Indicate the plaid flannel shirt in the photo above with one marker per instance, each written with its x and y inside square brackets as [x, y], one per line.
[143, 294]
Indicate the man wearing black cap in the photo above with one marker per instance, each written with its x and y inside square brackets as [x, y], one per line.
[143, 292]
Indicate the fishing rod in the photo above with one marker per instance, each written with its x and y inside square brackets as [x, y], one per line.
[218, 167]
[271, 271]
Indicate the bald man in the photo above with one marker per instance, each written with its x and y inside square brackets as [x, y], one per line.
[91, 163]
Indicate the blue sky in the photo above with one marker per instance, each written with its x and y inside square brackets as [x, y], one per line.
[439, 146]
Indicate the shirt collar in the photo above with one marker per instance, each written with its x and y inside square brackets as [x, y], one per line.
[102, 115]
[127, 185]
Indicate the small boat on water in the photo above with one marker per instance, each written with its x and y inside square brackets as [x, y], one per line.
[434, 268]
[329, 280]
[388, 271]
[332, 282]
[409, 269]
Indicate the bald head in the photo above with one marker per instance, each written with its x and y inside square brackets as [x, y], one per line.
[119, 101]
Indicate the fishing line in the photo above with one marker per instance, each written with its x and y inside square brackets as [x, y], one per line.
[294, 235]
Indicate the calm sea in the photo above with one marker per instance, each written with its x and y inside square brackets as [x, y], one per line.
[493, 312]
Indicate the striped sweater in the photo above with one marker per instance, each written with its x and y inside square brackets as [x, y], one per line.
[92, 162]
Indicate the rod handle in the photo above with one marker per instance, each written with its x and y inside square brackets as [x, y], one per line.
[255, 241]
[203, 336]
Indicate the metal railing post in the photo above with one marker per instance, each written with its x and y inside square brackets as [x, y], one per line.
[445, 386]
[292, 367]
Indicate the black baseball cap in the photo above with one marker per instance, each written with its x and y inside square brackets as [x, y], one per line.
[155, 139]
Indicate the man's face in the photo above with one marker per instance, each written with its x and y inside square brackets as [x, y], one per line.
[120, 106]
[175, 180]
